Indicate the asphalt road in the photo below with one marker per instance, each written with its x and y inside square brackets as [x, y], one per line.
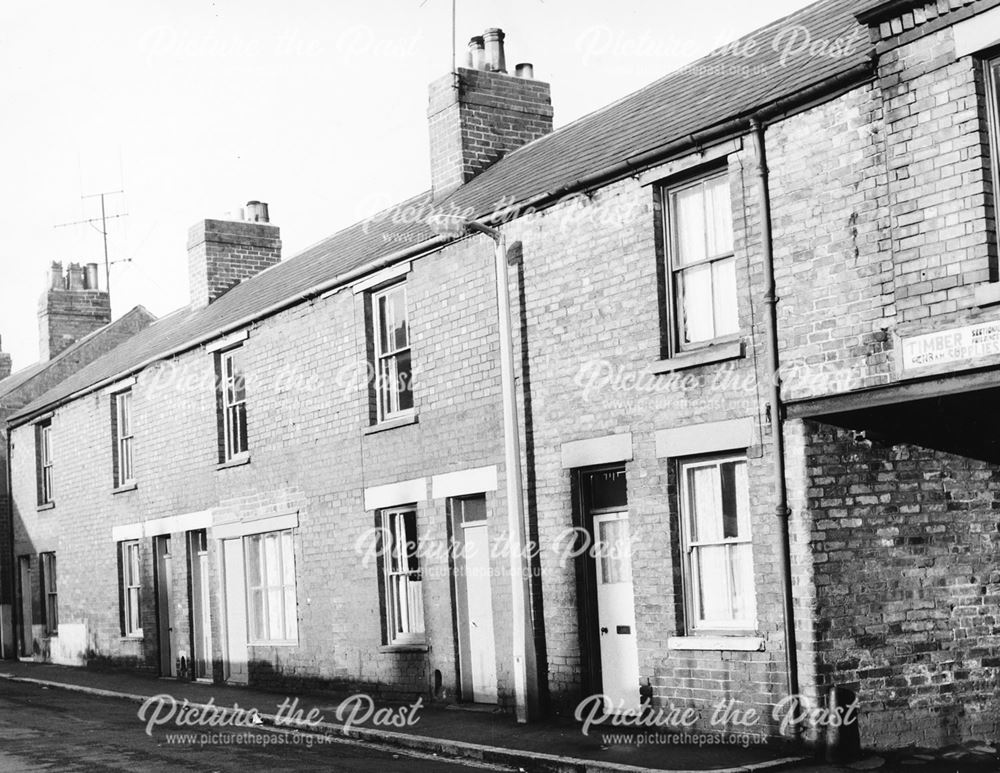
[57, 730]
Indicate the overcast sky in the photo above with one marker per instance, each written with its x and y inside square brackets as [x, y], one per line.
[317, 107]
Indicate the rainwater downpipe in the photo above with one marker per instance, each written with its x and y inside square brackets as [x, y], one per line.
[781, 509]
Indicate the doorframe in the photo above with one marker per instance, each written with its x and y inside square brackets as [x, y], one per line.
[588, 614]
[204, 578]
[160, 622]
[453, 532]
[24, 596]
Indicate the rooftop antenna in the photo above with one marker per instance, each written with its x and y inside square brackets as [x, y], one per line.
[103, 230]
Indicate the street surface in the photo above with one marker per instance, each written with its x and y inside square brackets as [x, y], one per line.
[63, 731]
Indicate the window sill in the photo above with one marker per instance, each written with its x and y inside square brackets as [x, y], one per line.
[717, 643]
[728, 350]
[404, 648]
[400, 421]
[988, 294]
[272, 644]
[132, 637]
[46, 506]
[125, 487]
[236, 461]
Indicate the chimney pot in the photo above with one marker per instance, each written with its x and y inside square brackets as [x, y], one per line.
[477, 53]
[256, 212]
[57, 281]
[74, 277]
[525, 70]
[90, 281]
[493, 40]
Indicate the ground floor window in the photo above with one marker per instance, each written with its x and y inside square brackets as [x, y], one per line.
[50, 599]
[717, 549]
[130, 584]
[270, 561]
[401, 579]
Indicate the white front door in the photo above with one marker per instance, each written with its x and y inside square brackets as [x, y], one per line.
[236, 611]
[482, 658]
[616, 611]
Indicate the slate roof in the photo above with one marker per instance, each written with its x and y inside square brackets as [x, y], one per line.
[715, 89]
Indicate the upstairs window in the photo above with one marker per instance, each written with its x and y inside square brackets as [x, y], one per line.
[701, 265]
[393, 388]
[401, 582]
[232, 405]
[50, 598]
[718, 554]
[43, 457]
[122, 430]
[992, 79]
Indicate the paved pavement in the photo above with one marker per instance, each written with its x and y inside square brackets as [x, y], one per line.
[47, 729]
[473, 736]
[491, 737]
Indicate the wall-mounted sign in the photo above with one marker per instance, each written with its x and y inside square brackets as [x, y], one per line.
[959, 344]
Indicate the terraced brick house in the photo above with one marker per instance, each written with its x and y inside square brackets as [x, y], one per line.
[755, 343]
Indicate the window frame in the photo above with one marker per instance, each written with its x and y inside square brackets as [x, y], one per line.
[393, 552]
[233, 446]
[48, 588]
[289, 624]
[130, 582]
[673, 309]
[692, 623]
[991, 84]
[43, 453]
[124, 469]
[392, 411]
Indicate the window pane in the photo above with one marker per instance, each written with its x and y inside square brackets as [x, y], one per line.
[742, 499]
[724, 296]
[287, 559]
[410, 548]
[291, 620]
[744, 601]
[614, 552]
[712, 571]
[719, 217]
[404, 381]
[694, 288]
[730, 523]
[271, 561]
[257, 614]
[608, 489]
[254, 577]
[703, 497]
[275, 629]
[688, 213]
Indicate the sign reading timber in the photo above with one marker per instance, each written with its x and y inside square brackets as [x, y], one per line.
[960, 344]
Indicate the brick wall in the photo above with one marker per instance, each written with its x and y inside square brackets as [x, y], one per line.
[222, 253]
[478, 116]
[907, 592]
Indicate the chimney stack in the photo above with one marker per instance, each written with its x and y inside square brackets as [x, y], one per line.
[5, 363]
[223, 253]
[480, 113]
[72, 307]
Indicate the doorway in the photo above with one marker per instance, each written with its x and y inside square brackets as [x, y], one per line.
[164, 604]
[236, 614]
[201, 620]
[607, 591]
[25, 640]
[473, 600]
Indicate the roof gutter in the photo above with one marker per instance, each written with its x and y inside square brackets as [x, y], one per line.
[330, 284]
[779, 108]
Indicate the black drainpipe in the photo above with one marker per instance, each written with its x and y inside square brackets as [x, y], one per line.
[776, 406]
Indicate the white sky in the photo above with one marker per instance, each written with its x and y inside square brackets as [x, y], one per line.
[318, 108]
